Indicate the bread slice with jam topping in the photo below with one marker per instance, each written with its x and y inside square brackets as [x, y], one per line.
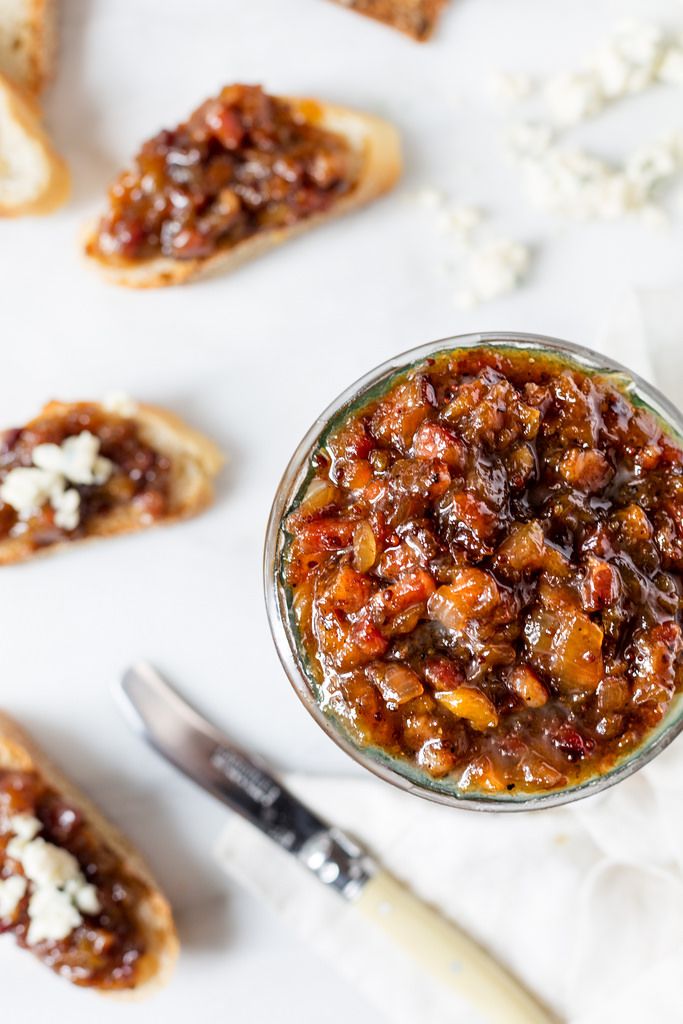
[244, 173]
[73, 891]
[82, 470]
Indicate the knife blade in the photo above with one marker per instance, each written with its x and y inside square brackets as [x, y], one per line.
[243, 782]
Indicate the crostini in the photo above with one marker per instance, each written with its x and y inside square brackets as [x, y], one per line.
[85, 469]
[72, 889]
[244, 173]
[33, 178]
[417, 18]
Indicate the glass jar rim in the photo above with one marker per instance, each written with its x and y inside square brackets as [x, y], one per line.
[295, 477]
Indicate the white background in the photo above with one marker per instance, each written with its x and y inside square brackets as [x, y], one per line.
[252, 359]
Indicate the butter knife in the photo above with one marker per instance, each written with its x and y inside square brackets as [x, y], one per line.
[243, 782]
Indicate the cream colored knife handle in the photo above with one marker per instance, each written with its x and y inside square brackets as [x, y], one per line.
[446, 953]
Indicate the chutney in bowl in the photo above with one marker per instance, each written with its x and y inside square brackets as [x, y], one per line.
[474, 571]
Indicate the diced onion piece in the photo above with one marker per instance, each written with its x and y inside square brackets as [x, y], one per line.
[396, 682]
[302, 604]
[355, 474]
[526, 684]
[586, 469]
[566, 645]
[539, 772]
[577, 663]
[470, 703]
[319, 494]
[364, 547]
[348, 590]
[473, 595]
[523, 549]
[481, 774]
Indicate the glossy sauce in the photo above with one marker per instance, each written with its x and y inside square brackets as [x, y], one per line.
[486, 571]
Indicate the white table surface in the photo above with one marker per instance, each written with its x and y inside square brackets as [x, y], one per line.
[252, 359]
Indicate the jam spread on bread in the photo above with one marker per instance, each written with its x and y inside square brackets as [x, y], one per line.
[102, 943]
[486, 570]
[243, 163]
[72, 465]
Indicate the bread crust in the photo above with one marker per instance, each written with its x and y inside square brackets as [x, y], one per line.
[28, 45]
[195, 462]
[377, 145]
[416, 18]
[19, 752]
[24, 112]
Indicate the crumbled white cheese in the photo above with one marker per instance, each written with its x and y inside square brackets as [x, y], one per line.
[53, 916]
[120, 403]
[76, 461]
[485, 268]
[430, 198]
[47, 864]
[12, 892]
[577, 185]
[27, 489]
[67, 506]
[84, 896]
[510, 87]
[24, 827]
[571, 98]
[494, 268]
[629, 62]
[59, 890]
[460, 220]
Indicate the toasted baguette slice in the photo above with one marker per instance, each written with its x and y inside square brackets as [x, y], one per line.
[377, 146]
[28, 42]
[33, 179]
[195, 461]
[18, 752]
[417, 18]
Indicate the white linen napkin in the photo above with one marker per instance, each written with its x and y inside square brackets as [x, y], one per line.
[584, 903]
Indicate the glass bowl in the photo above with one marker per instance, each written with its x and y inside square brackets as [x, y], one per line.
[278, 599]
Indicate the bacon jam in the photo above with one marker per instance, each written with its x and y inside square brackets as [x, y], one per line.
[244, 162]
[486, 571]
[139, 476]
[106, 948]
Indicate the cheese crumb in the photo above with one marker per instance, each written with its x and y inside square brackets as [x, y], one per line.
[577, 185]
[629, 62]
[488, 268]
[48, 865]
[59, 890]
[571, 98]
[495, 268]
[76, 461]
[12, 892]
[120, 403]
[460, 220]
[53, 916]
[25, 827]
[430, 198]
